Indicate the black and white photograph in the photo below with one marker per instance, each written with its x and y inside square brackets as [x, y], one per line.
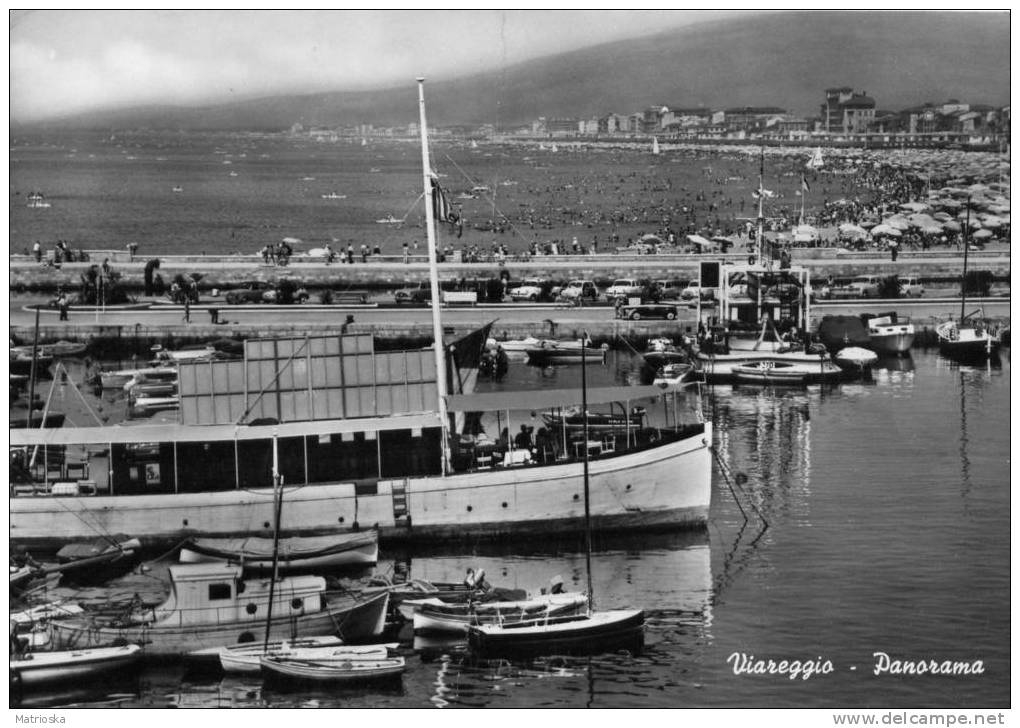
[513, 359]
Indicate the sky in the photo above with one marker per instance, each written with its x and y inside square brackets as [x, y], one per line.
[68, 61]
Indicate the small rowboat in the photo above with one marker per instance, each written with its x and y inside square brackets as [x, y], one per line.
[332, 671]
[245, 659]
[435, 616]
[767, 371]
[856, 357]
[579, 634]
[47, 668]
[674, 376]
[548, 355]
[296, 554]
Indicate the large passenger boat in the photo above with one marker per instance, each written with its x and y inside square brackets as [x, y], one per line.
[366, 439]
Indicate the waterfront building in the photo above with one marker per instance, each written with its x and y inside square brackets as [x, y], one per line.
[846, 112]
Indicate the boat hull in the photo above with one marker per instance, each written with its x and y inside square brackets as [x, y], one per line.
[893, 343]
[450, 619]
[297, 671]
[71, 666]
[610, 631]
[662, 487]
[720, 368]
[360, 550]
[356, 621]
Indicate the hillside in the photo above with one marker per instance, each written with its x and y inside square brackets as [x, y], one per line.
[778, 59]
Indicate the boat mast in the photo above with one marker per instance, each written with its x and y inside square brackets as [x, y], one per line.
[963, 283]
[759, 247]
[277, 508]
[430, 229]
[587, 503]
[31, 376]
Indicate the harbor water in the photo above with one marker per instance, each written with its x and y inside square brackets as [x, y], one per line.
[887, 510]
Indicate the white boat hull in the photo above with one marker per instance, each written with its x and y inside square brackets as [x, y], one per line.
[895, 339]
[47, 668]
[430, 621]
[247, 662]
[666, 486]
[720, 366]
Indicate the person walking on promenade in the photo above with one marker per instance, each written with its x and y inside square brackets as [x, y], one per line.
[364, 253]
[350, 254]
[62, 305]
[406, 253]
[187, 308]
[37, 252]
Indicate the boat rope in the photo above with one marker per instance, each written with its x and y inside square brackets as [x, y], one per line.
[730, 482]
[74, 386]
[489, 198]
[100, 531]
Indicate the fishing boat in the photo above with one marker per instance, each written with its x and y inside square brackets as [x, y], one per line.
[752, 299]
[36, 669]
[366, 437]
[767, 371]
[889, 333]
[840, 332]
[588, 632]
[163, 357]
[343, 670]
[211, 604]
[55, 350]
[306, 553]
[389, 220]
[432, 616]
[334, 196]
[520, 346]
[208, 656]
[959, 340]
[550, 353]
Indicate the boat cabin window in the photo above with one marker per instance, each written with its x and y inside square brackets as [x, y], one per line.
[218, 592]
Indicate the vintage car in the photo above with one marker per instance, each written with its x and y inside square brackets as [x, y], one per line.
[666, 311]
[625, 288]
[263, 292]
[578, 290]
[531, 289]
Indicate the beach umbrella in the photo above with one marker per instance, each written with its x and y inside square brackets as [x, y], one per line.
[919, 220]
[885, 230]
[991, 221]
[900, 223]
[949, 204]
[852, 232]
[982, 235]
[952, 226]
[942, 216]
[933, 229]
[649, 238]
[292, 241]
[914, 206]
[868, 223]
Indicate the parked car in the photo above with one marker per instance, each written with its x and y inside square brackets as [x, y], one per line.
[247, 292]
[578, 290]
[669, 289]
[866, 286]
[531, 289]
[667, 311]
[625, 288]
[694, 291]
[421, 293]
[911, 287]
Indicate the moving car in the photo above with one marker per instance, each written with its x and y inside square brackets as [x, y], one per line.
[666, 311]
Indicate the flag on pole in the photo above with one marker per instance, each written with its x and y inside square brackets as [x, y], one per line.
[803, 183]
[442, 211]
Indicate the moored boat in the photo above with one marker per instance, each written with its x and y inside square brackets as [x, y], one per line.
[344, 670]
[549, 354]
[661, 352]
[767, 371]
[435, 616]
[889, 333]
[306, 553]
[854, 357]
[210, 604]
[966, 342]
[674, 376]
[246, 659]
[36, 669]
[578, 634]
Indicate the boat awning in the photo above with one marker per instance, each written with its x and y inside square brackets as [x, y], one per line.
[173, 432]
[544, 399]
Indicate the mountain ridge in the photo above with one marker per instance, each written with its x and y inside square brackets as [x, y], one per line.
[784, 59]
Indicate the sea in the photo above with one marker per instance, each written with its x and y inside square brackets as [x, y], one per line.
[854, 528]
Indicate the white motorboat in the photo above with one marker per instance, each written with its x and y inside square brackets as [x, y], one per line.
[674, 376]
[890, 334]
[855, 357]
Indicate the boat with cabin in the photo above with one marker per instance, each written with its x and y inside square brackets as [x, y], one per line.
[212, 604]
[889, 333]
[366, 438]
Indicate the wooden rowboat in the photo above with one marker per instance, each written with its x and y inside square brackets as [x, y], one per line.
[245, 659]
[255, 554]
[342, 671]
[47, 668]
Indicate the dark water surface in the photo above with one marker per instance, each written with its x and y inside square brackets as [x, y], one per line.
[889, 527]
